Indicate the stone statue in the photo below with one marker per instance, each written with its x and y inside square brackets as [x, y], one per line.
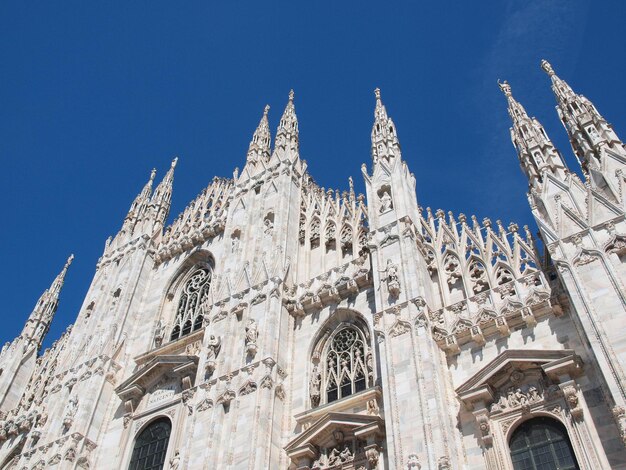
[251, 336]
[345, 455]
[70, 411]
[316, 381]
[393, 281]
[385, 202]
[175, 461]
[213, 347]
[333, 458]
[159, 333]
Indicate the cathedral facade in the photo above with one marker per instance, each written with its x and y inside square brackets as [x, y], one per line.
[275, 324]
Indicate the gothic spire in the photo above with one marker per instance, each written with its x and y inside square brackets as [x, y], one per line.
[39, 320]
[287, 133]
[162, 196]
[385, 142]
[535, 150]
[138, 206]
[261, 139]
[589, 133]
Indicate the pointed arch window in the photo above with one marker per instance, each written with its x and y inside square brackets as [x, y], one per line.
[151, 446]
[347, 368]
[190, 312]
[542, 443]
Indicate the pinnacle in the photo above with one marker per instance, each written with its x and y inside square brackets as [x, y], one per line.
[377, 93]
[505, 87]
[291, 95]
[545, 65]
[174, 162]
[266, 110]
[69, 261]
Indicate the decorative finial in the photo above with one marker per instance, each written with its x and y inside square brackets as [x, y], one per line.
[291, 95]
[69, 261]
[505, 87]
[545, 65]
[152, 174]
[266, 110]
[377, 93]
[174, 162]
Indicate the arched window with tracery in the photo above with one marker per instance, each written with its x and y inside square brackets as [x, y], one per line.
[151, 446]
[345, 367]
[542, 443]
[190, 311]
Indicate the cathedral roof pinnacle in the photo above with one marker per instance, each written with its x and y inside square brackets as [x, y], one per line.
[261, 139]
[288, 126]
[505, 87]
[545, 65]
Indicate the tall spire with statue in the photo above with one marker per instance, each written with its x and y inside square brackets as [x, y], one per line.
[535, 150]
[599, 150]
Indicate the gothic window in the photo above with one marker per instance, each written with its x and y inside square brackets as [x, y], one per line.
[315, 232]
[189, 316]
[478, 275]
[346, 370]
[151, 446]
[503, 276]
[542, 443]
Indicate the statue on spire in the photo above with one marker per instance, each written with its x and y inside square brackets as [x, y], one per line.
[287, 133]
[260, 144]
[545, 65]
[505, 87]
[385, 142]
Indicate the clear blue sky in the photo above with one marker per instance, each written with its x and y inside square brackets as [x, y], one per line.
[95, 94]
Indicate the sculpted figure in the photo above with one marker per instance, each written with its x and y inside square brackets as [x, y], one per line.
[333, 458]
[393, 281]
[385, 202]
[175, 461]
[251, 332]
[251, 336]
[159, 333]
[345, 455]
[316, 380]
[213, 347]
[70, 411]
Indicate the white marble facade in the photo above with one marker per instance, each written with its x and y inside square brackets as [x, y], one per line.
[278, 325]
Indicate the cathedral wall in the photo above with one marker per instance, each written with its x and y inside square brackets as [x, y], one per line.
[593, 428]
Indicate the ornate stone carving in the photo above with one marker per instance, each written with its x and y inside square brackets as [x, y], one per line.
[372, 454]
[386, 204]
[175, 461]
[204, 405]
[213, 349]
[620, 417]
[413, 462]
[336, 456]
[70, 411]
[443, 463]
[159, 333]
[392, 278]
[252, 334]
[399, 328]
[571, 397]
[315, 385]
[521, 396]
